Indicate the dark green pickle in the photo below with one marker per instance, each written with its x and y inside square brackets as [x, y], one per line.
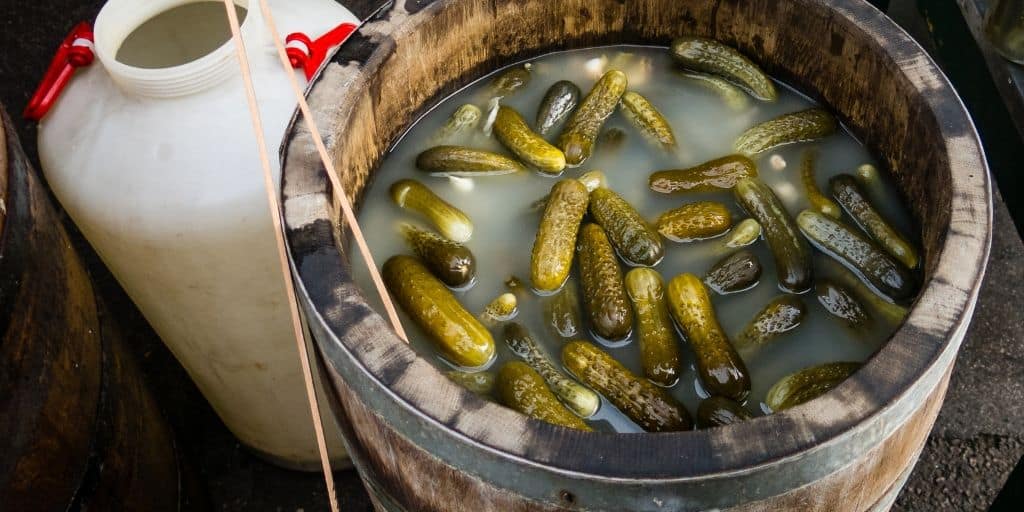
[521, 388]
[719, 411]
[648, 405]
[846, 190]
[604, 294]
[561, 312]
[576, 397]
[463, 161]
[511, 81]
[790, 250]
[840, 303]
[712, 176]
[783, 314]
[740, 271]
[452, 262]
[710, 56]
[636, 241]
[481, 383]
[807, 384]
[558, 103]
[802, 126]
[553, 248]
[659, 349]
[580, 131]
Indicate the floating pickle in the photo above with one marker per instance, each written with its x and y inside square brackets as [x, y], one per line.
[719, 366]
[561, 312]
[503, 308]
[733, 97]
[512, 130]
[576, 397]
[604, 294]
[464, 119]
[591, 179]
[790, 250]
[695, 221]
[659, 349]
[481, 383]
[553, 248]
[858, 254]
[560, 100]
[740, 271]
[611, 139]
[869, 178]
[743, 234]
[451, 262]
[802, 126]
[634, 239]
[449, 220]
[646, 118]
[649, 406]
[459, 336]
[463, 161]
[710, 56]
[577, 138]
[840, 302]
[511, 81]
[808, 175]
[521, 388]
[783, 314]
[719, 411]
[877, 304]
[808, 384]
[853, 200]
[712, 176]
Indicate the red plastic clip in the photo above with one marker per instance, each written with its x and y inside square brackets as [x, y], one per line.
[307, 54]
[75, 52]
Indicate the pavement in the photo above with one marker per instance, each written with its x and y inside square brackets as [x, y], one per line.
[977, 440]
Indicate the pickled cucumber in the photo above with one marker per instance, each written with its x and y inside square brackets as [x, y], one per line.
[744, 234]
[553, 248]
[808, 176]
[853, 200]
[649, 406]
[512, 130]
[735, 273]
[449, 220]
[719, 367]
[561, 312]
[808, 384]
[457, 334]
[511, 81]
[604, 294]
[876, 305]
[463, 161]
[802, 126]
[481, 383]
[521, 388]
[577, 138]
[560, 100]
[695, 221]
[733, 97]
[503, 308]
[718, 411]
[783, 314]
[840, 302]
[710, 56]
[646, 118]
[713, 176]
[790, 250]
[659, 349]
[451, 262]
[634, 239]
[590, 179]
[464, 119]
[576, 397]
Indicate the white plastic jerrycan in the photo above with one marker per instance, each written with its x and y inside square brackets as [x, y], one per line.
[151, 152]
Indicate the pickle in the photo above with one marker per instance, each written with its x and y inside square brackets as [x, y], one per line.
[710, 56]
[449, 220]
[802, 126]
[783, 314]
[858, 254]
[451, 262]
[744, 234]
[807, 384]
[878, 305]
[576, 397]
[511, 81]
[591, 179]
[553, 248]
[577, 138]
[713, 176]
[735, 273]
[840, 302]
[516, 135]
[561, 312]
[464, 119]
[646, 118]
[463, 161]
[732, 96]
[521, 388]
[503, 308]
[634, 239]
[560, 100]
[604, 294]
[719, 367]
[719, 411]
[659, 350]
[853, 200]
[695, 221]
[649, 406]
[869, 178]
[790, 250]
[808, 175]
[611, 139]
[460, 337]
[481, 383]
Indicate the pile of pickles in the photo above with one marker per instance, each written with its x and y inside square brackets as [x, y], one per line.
[585, 227]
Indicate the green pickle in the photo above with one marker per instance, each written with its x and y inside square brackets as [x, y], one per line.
[649, 406]
[591, 179]
[840, 303]
[808, 384]
[604, 294]
[521, 388]
[459, 336]
[464, 119]
[511, 81]
[735, 273]
[790, 250]
[558, 103]
[575, 396]
[808, 176]
[451, 262]
[802, 126]
[503, 308]
[553, 248]
[582, 128]
[719, 366]
[481, 383]
[783, 314]
[695, 221]
[659, 349]
[710, 56]
[636, 241]
[719, 411]
[712, 176]
[848, 193]
[513, 132]
[877, 305]
[449, 220]
[744, 234]
[561, 312]
[463, 161]
[732, 96]
[648, 120]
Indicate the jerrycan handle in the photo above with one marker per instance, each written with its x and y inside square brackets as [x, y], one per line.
[76, 51]
[308, 54]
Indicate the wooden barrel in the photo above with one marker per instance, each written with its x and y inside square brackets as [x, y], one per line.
[78, 428]
[422, 443]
